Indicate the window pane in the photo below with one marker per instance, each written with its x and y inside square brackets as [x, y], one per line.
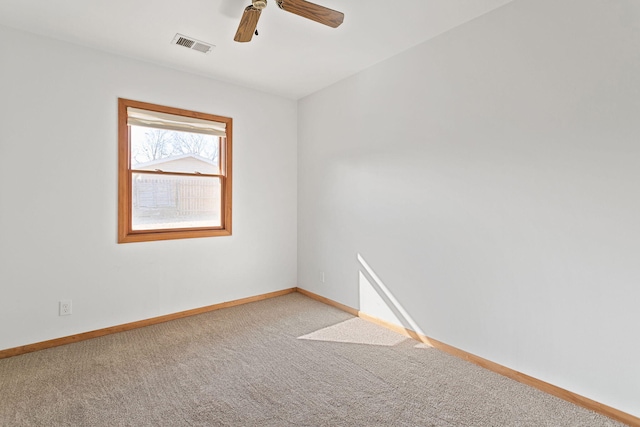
[174, 151]
[167, 201]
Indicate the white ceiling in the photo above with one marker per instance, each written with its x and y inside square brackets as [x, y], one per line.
[291, 57]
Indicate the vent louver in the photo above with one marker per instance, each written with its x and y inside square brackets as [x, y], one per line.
[191, 43]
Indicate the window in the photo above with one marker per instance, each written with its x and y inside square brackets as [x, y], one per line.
[174, 173]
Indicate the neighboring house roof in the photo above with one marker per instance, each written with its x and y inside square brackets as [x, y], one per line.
[188, 163]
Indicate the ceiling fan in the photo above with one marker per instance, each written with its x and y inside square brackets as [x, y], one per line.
[321, 14]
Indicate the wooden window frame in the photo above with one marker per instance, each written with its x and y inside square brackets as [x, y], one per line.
[126, 234]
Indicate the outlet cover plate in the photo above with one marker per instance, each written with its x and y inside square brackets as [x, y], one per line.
[65, 307]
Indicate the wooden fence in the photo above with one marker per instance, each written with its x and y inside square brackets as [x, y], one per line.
[167, 195]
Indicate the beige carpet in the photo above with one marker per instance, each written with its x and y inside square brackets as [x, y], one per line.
[288, 361]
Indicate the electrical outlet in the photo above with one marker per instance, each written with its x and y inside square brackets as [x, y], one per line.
[65, 307]
[322, 276]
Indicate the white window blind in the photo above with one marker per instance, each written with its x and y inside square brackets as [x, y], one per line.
[154, 119]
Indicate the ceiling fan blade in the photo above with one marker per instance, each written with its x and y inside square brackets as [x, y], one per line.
[248, 24]
[312, 11]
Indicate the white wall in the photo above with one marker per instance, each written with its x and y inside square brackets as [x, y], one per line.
[58, 194]
[483, 188]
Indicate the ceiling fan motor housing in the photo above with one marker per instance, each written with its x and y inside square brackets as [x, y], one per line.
[259, 4]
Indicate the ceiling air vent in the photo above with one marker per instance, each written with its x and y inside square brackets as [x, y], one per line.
[191, 43]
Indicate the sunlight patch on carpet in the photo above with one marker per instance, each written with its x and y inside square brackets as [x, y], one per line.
[356, 331]
[422, 345]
